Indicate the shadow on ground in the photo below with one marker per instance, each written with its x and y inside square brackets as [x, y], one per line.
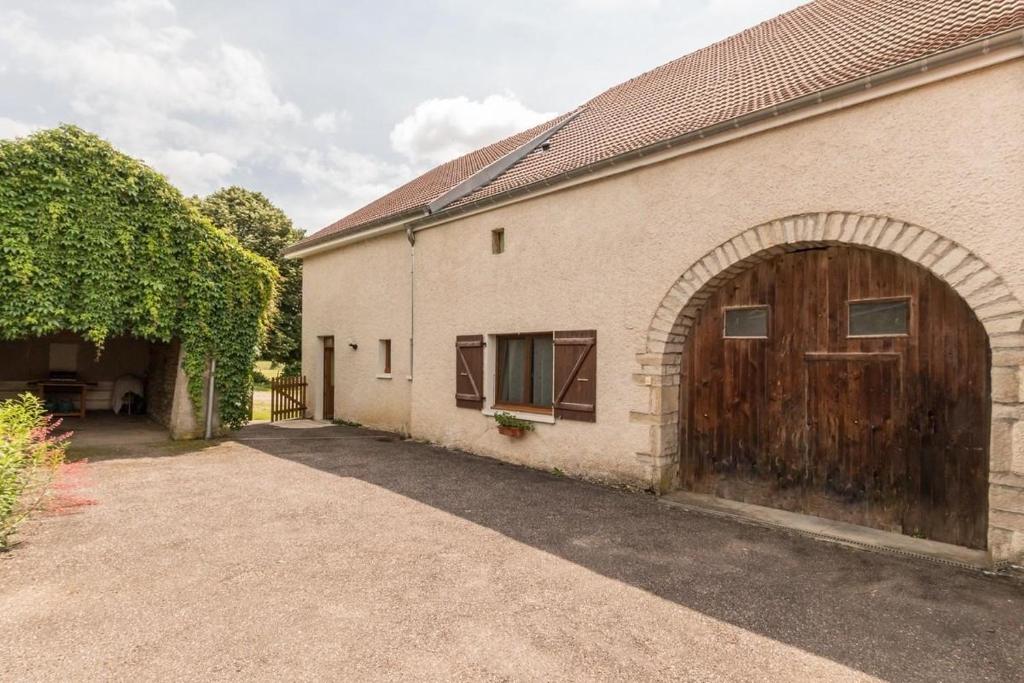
[882, 615]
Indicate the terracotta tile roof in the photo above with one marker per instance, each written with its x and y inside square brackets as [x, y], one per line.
[416, 194]
[816, 46]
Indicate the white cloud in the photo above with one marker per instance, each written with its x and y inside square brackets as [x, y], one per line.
[135, 69]
[139, 6]
[336, 180]
[346, 171]
[441, 129]
[734, 15]
[615, 5]
[203, 113]
[330, 121]
[196, 172]
[9, 128]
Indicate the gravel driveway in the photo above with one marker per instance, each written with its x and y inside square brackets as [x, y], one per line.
[339, 553]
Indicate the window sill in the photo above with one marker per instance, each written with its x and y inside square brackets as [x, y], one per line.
[384, 375]
[543, 418]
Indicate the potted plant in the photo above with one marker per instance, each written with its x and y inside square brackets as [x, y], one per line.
[510, 425]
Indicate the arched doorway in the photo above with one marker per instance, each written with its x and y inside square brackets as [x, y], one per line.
[842, 382]
[658, 369]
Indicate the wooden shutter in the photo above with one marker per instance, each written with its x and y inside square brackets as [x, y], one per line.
[469, 371]
[575, 382]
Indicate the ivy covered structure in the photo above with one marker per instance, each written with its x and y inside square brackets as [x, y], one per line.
[117, 293]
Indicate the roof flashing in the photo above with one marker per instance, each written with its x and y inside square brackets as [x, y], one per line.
[497, 168]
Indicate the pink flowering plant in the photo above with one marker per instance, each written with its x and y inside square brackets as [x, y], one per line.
[31, 454]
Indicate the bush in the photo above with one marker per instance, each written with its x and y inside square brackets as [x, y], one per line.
[30, 455]
[259, 380]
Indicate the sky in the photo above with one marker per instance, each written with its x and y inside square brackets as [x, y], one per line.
[324, 105]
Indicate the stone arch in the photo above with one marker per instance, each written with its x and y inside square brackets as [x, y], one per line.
[995, 305]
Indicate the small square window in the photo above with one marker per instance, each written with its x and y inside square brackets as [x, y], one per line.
[498, 241]
[384, 357]
[879, 318]
[746, 322]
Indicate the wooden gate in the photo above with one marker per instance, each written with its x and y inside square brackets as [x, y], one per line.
[287, 398]
[843, 383]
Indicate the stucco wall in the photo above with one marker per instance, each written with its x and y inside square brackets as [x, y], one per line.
[603, 255]
[359, 295]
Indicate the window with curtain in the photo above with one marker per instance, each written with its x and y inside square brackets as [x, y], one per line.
[525, 371]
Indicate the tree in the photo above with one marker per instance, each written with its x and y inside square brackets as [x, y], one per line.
[265, 229]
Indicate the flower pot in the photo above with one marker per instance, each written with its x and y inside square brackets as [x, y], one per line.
[514, 432]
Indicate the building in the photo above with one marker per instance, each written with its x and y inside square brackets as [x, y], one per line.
[786, 269]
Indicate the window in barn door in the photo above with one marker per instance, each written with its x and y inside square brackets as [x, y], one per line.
[880, 317]
[746, 322]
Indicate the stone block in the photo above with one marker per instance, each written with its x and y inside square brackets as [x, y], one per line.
[665, 401]
[728, 254]
[752, 241]
[1010, 521]
[1005, 545]
[740, 248]
[935, 252]
[1006, 498]
[951, 261]
[1017, 466]
[987, 295]
[890, 233]
[1006, 385]
[643, 418]
[789, 231]
[1003, 357]
[1013, 340]
[1001, 446]
[833, 228]
[911, 233]
[1013, 323]
[692, 279]
[967, 268]
[817, 230]
[916, 251]
[849, 228]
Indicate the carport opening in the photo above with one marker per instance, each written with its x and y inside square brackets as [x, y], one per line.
[123, 391]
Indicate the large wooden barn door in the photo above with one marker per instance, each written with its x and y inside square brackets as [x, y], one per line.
[845, 383]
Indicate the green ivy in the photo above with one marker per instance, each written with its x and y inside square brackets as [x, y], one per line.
[98, 243]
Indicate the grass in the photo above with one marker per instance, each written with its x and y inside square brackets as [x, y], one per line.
[261, 391]
[270, 369]
[261, 405]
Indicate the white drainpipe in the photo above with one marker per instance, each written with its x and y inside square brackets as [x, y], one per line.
[209, 399]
